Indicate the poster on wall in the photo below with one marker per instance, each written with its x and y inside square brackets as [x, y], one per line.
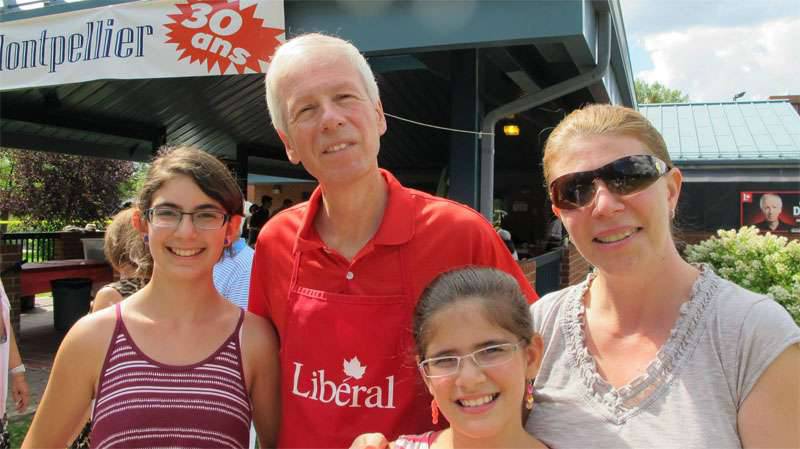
[152, 39]
[771, 211]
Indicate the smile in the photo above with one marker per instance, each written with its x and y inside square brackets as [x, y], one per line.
[478, 401]
[335, 148]
[184, 252]
[613, 238]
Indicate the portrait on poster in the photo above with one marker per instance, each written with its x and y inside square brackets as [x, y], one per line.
[771, 211]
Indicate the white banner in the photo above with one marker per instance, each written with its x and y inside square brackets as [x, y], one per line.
[145, 39]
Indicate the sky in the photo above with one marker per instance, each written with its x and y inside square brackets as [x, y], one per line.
[712, 50]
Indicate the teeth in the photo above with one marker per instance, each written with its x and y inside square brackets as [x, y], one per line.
[477, 402]
[185, 252]
[615, 237]
[336, 148]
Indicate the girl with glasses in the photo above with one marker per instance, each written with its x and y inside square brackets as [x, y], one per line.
[174, 364]
[650, 351]
[478, 355]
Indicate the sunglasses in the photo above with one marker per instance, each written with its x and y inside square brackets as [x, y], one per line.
[624, 176]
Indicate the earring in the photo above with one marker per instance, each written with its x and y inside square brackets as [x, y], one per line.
[529, 394]
[226, 241]
[434, 412]
[672, 214]
[146, 239]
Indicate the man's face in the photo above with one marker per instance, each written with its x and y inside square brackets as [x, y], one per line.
[332, 126]
[771, 208]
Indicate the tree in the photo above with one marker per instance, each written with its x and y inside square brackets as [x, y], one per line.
[50, 190]
[657, 93]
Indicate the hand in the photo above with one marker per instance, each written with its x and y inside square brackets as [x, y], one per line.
[370, 441]
[20, 391]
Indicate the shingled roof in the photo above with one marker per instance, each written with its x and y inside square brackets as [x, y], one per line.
[749, 132]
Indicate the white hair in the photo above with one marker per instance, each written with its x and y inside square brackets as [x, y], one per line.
[767, 195]
[296, 51]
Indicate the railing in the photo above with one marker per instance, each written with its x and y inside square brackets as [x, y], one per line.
[36, 246]
[548, 272]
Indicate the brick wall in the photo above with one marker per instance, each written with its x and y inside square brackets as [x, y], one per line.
[528, 267]
[9, 256]
[69, 245]
[574, 267]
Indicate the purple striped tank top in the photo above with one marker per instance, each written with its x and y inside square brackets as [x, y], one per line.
[142, 403]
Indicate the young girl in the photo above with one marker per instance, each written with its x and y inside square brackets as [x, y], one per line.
[127, 253]
[175, 364]
[478, 355]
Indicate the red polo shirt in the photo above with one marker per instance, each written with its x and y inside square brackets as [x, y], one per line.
[434, 234]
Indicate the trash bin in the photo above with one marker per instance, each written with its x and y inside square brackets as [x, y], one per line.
[71, 299]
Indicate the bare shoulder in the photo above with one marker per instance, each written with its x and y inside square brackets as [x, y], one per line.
[105, 297]
[89, 337]
[258, 333]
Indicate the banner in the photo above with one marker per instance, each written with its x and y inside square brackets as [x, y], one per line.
[776, 212]
[145, 39]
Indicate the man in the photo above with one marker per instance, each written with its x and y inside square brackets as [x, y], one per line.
[340, 274]
[259, 217]
[771, 206]
[232, 272]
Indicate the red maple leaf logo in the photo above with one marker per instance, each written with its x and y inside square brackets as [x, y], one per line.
[218, 33]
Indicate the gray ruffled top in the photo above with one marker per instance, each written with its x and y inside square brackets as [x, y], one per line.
[688, 396]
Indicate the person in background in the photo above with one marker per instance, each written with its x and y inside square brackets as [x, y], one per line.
[11, 369]
[344, 270]
[287, 203]
[232, 273]
[175, 364]
[771, 206]
[128, 255]
[260, 217]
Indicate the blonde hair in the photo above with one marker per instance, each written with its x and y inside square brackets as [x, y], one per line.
[293, 51]
[124, 247]
[602, 120]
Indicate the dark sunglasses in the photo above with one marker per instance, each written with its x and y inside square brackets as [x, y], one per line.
[624, 176]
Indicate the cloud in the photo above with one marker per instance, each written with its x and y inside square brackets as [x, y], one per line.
[712, 63]
[657, 16]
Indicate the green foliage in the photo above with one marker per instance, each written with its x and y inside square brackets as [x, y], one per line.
[763, 263]
[130, 187]
[656, 92]
[17, 428]
[50, 190]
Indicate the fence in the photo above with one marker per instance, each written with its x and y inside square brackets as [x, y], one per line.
[36, 246]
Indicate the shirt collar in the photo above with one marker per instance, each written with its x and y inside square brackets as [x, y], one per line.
[397, 225]
[238, 245]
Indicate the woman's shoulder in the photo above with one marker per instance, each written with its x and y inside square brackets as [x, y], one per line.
[258, 334]
[743, 310]
[90, 335]
[546, 308]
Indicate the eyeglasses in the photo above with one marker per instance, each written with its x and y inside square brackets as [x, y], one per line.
[484, 358]
[168, 217]
[623, 176]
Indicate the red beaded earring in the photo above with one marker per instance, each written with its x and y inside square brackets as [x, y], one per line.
[434, 412]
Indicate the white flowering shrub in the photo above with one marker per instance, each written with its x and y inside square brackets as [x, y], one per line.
[763, 263]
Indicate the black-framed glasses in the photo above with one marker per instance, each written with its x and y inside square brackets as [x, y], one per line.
[169, 217]
[623, 176]
[484, 358]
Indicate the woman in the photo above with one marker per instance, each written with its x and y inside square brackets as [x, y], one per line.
[175, 364]
[11, 367]
[129, 256]
[478, 355]
[649, 350]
